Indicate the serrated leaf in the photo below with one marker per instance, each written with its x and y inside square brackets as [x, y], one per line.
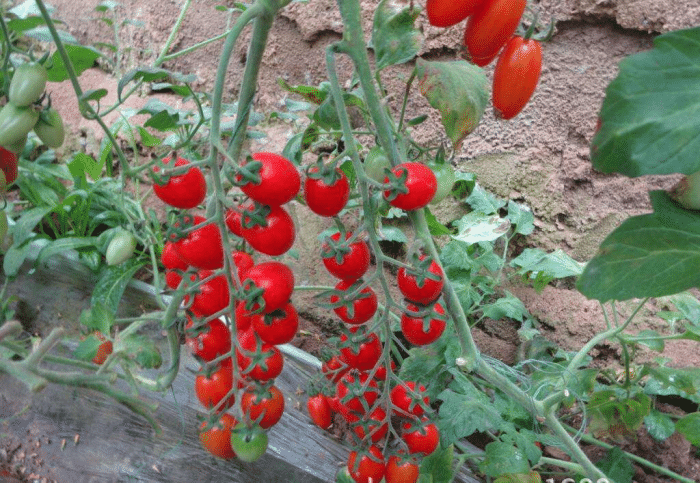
[392, 234]
[98, 317]
[464, 410]
[434, 226]
[147, 138]
[521, 217]
[484, 201]
[503, 458]
[87, 348]
[651, 112]
[646, 256]
[112, 283]
[438, 465]
[508, 306]
[651, 339]
[688, 305]
[477, 227]
[395, 39]
[542, 267]
[310, 93]
[142, 351]
[81, 57]
[659, 425]
[459, 90]
[689, 427]
[616, 466]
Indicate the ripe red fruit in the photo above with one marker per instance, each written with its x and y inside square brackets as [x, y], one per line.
[516, 76]
[217, 439]
[359, 310]
[407, 404]
[490, 27]
[326, 199]
[202, 248]
[279, 180]
[353, 264]
[208, 342]
[266, 408]
[367, 354]
[278, 327]
[445, 13]
[275, 237]
[319, 411]
[277, 282]
[425, 291]
[421, 185]
[8, 164]
[413, 328]
[183, 191]
[401, 471]
[367, 469]
[213, 388]
[421, 439]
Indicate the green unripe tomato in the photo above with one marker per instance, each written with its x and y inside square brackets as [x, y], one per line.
[18, 147]
[375, 164]
[50, 129]
[28, 84]
[249, 444]
[121, 248]
[687, 191]
[15, 123]
[446, 179]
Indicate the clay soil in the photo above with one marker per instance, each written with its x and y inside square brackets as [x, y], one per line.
[541, 158]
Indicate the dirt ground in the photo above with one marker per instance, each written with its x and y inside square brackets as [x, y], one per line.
[541, 158]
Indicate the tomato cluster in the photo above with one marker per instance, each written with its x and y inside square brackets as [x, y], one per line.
[490, 34]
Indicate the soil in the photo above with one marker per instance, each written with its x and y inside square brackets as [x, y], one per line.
[541, 158]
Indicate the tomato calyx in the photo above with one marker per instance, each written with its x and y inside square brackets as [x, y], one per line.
[328, 173]
[248, 172]
[395, 184]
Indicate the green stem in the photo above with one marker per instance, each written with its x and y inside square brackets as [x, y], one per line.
[173, 33]
[567, 465]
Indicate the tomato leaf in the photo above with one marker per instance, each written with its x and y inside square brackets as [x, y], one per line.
[98, 317]
[521, 217]
[478, 227]
[503, 458]
[87, 349]
[648, 255]
[616, 466]
[438, 465]
[689, 426]
[112, 283]
[659, 425]
[142, 351]
[459, 90]
[395, 40]
[651, 112]
[484, 201]
[531, 477]
[81, 57]
[508, 306]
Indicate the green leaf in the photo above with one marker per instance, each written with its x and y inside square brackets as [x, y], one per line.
[93, 95]
[508, 306]
[651, 112]
[395, 40]
[436, 228]
[142, 350]
[649, 338]
[464, 410]
[112, 283]
[478, 227]
[459, 90]
[531, 477]
[689, 426]
[23, 229]
[688, 305]
[484, 201]
[673, 381]
[81, 57]
[522, 217]
[310, 93]
[393, 234]
[147, 138]
[438, 465]
[542, 267]
[14, 259]
[87, 348]
[144, 74]
[659, 425]
[61, 245]
[98, 317]
[646, 256]
[503, 458]
[616, 466]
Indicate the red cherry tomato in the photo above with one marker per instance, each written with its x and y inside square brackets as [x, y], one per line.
[421, 185]
[405, 403]
[319, 411]
[516, 76]
[217, 439]
[277, 282]
[213, 388]
[353, 386]
[278, 327]
[414, 328]
[265, 361]
[375, 425]
[104, 349]
[202, 248]
[401, 471]
[267, 408]
[208, 342]
[275, 237]
[369, 469]
[326, 199]
[334, 369]
[446, 13]
[279, 180]
[243, 262]
[8, 164]
[424, 292]
[359, 310]
[367, 354]
[211, 296]
[183, 191]
[348, 266]
[490, 28]
[422, 439]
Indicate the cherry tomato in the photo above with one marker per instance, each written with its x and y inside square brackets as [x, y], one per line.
[265, 409]
[27, 84]
[404, 402]
[490, 28]
[319, 411]
[248, 443]
[359, 310]
[277, 282]
[380, 374]
[243, 262]
[351, 385]
[208, 342]
[445, 175]
[202, 248]
[376, 163]
[211, 296]
[369, 469]
[49, 128]
[8, 164]
[366, 356]
[446, 13]
[279, 180]
[184, 191]
[516, 76]
[217, 440]
[401, 471]
[376, 425]
[275, 237]
[265, 361]
[415, 331]
[326, 199]
[350, 265]
[334, 369]
[104, 349]
[420, 186]
[278, 327]
[15, 123]
[422, 439]
[120, 248]
[173, 264]
[214, 387]
[423, 292]
[233, 222]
